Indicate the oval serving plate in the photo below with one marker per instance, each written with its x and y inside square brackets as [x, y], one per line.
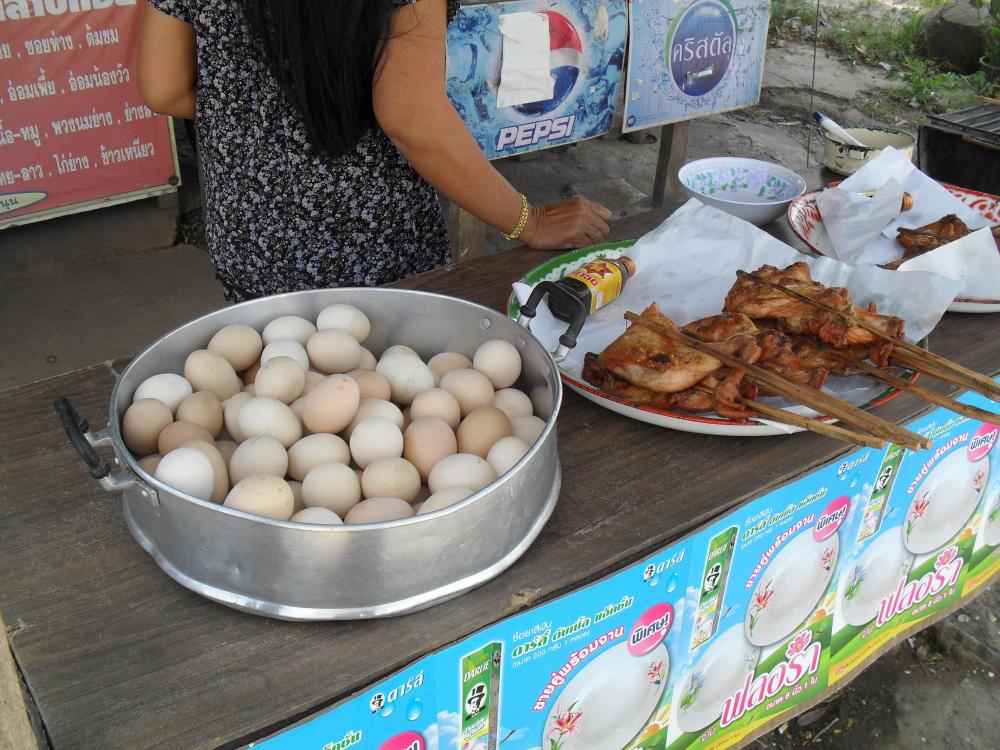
[805, 220]
[705, 424]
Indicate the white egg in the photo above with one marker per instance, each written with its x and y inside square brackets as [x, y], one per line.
[267, 416]
[231, 410]
[400, 349]
[373, 438]
[505, 453]
[407, 376]
[167, 387]
[513, 403]
[280, 378]
[187, 470]
[288, 327]
[264, 495]
[346, 318]
[443, 363]
[240, 344]
[375, 407]
[470, 388]
[391, 477]
[527, 428]
[461, 470]
[319, 516]
[286, 348]
[335, 487]
[498, 360]
[378, 510]
[258, 455]
[444, 498]
[314, 450]
[219, 470]
[331, 350]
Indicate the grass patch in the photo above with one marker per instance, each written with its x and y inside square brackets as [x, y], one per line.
[875, 33]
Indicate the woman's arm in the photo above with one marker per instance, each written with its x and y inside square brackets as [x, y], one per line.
[166, 64]
[413, 108]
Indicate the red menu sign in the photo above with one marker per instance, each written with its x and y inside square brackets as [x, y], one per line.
[74, 132]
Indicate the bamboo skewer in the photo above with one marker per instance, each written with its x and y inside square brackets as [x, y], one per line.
[800, 393]
[776, 414]
[973, 412]
[907, 353]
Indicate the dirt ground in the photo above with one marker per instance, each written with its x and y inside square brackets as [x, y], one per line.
[938, 690]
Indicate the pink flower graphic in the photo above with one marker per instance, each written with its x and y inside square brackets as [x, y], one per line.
[798, 643]
[565, 723]
[945, 558]
[759, 603]
[919, 508]
[827, 559]
[979, 480]
[657, 671]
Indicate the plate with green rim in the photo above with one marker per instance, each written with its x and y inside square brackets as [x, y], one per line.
[707, 424]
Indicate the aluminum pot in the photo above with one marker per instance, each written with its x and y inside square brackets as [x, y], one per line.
[297, 571]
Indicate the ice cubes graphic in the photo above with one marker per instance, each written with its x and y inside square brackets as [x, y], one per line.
[414, 709]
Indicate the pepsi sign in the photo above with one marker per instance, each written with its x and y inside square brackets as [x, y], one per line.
[586, 54]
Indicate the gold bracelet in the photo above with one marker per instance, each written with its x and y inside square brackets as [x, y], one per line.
[521, 222]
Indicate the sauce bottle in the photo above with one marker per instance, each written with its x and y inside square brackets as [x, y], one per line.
[595, 284]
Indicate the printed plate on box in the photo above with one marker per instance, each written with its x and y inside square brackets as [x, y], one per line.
[705, 424]
[805, 220]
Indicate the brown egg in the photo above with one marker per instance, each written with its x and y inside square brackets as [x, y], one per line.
[470, 388]
[372, 384]
[368, 361]
[220, 487]
[443, 363]
[176, 434]
[375, 407]
[481, 429]
[210, 371]
[149, 463]
[437, 402]
[250, 374]
[241, 345]
[280, 378]
[313, 378]
[314, 450]
[202, 408]
[227, 448]
[391, 477]
[263, 495]
[335, 487]
[426, 441]
[258, 455]
[379, 509]
[331, 350]
[331, 405]
[142, 424]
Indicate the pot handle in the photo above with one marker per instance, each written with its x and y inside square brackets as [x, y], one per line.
[568, 340]
[78, 431]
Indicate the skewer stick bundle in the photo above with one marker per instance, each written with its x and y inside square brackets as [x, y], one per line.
[793, 391]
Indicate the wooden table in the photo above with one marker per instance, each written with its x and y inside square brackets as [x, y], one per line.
[117, 655]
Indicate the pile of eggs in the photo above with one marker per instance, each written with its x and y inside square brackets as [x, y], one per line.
[301, 422]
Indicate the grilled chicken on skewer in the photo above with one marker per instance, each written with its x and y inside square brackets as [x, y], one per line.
[835, 326]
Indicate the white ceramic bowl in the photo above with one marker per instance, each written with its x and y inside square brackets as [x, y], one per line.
[846, 159]
[755, 191]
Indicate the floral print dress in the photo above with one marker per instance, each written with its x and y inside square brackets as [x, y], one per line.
[280, 216]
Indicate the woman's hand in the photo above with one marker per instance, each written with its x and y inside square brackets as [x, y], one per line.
[574, 222]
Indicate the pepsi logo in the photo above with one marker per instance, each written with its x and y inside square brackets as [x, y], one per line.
[565, 54]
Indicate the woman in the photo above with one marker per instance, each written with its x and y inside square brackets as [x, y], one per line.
[323, 127]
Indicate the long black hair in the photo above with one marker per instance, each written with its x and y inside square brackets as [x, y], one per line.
[325, 54]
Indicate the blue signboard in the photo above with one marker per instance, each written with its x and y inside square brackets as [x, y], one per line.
[691, 58]
[586, 57]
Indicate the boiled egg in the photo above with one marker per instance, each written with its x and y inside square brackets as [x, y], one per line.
[264, 495]
[240, 344]
[346, 318]
[142, 424]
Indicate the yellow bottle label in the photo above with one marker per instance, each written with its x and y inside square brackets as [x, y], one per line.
[603, 280]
